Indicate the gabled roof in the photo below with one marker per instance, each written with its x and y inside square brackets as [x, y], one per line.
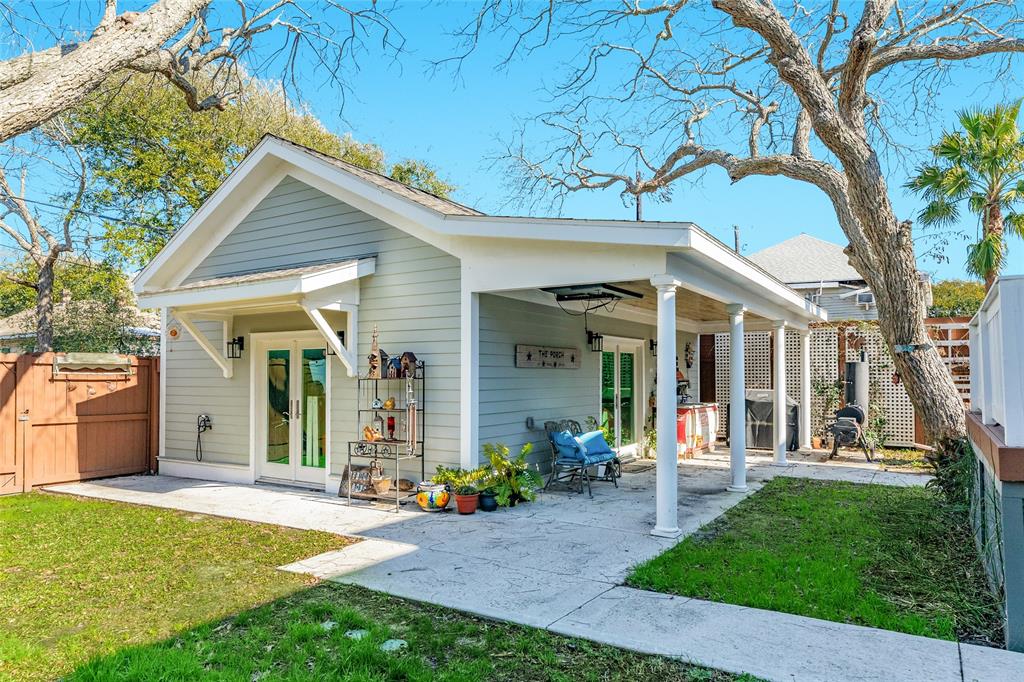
[806, 259]
[422, 197]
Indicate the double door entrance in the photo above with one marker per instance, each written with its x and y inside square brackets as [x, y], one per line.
[291, 407]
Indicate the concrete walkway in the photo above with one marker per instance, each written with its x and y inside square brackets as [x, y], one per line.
[560, 564]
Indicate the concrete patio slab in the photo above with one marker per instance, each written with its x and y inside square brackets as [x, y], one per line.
[984, 664]
[767, 644]
[560, 562]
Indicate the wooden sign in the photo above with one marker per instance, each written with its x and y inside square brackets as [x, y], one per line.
[547, 356]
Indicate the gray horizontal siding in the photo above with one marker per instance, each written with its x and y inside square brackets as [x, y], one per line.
[508, 395]
[413, 298]
[845, 308]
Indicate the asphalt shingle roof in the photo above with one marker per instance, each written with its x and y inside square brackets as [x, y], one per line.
[805, 259]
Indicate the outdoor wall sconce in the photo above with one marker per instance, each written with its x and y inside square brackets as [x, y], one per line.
[341, 340]
[653, 345]
[235, 347]
[596, 341]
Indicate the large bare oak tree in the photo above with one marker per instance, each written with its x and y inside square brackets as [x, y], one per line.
[176, 39]
[664, 90]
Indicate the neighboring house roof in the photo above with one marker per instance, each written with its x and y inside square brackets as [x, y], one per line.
[805, 259]
[21, 325]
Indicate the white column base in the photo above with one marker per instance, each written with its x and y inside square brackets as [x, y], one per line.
[737, 489]
[671, 533]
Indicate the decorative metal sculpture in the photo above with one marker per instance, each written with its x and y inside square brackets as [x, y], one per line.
[377, 358]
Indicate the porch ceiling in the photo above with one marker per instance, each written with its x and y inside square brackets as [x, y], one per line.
[690, 305]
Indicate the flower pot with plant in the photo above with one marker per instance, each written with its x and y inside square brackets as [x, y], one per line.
[466, 499]
[488, 500]
[512, 480]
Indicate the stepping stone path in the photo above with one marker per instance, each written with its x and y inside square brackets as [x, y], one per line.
[357, 634]
[393, 645]
[328, 625]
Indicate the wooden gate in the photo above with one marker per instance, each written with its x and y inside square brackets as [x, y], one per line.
[74, 424]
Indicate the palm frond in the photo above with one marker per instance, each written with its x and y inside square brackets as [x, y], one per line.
[938, 213]
[1014, 224]
[986, 257]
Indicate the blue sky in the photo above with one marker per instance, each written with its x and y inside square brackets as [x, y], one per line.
[458, 124]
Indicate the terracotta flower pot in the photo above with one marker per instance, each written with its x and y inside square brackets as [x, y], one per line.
[467, 504]
[816, 442]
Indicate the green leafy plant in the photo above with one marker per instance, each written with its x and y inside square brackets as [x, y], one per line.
[466, 490]
[457, 479]
[511, 479]
[829, 392]
[650, 442]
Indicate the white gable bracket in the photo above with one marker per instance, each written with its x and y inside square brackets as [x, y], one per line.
[221, 360]
[333, 342]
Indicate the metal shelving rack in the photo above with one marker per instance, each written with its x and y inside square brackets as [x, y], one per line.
[402, 449]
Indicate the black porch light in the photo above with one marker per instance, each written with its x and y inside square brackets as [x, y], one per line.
[235, 347]
[653, 345]
[341, 340]
[595, 341]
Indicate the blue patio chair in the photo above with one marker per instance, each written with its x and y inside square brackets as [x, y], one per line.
[573, 453]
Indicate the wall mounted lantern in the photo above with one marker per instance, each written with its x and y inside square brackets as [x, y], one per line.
[653, 345]
[341, 340]
[595, 341]
[235, 347]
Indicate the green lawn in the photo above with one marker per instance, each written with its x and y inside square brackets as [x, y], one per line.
[94, 590]
[893, 558]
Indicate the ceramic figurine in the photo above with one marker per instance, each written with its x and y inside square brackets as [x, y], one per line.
[389, 404]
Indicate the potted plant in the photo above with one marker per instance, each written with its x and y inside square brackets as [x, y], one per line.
[512, 480]
[488, 500]
[466, 498]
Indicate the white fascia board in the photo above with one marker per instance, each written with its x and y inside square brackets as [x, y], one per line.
[269, 289]
[824, 284]
[758, 287]
[492, 265]
[626, 232]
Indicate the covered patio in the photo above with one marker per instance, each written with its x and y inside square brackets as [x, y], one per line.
[682, 280]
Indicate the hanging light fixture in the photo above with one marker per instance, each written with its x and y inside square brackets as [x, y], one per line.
[595, 341]
[653, 345]
[235, 347]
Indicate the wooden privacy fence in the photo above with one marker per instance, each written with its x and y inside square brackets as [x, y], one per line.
[75, 424]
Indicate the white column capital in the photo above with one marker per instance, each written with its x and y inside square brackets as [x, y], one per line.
[779, 324]
[736, 308]
[665, 282]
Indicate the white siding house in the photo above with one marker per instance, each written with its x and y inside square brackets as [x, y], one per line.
[294, 262]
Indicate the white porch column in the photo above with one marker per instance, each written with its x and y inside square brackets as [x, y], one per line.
[667, 521]
[780, 393]
[805, 388]
[737, 401]
[469, 380]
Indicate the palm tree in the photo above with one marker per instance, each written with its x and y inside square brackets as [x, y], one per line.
[983, 164]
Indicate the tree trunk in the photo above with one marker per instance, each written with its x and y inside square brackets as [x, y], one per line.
[44, 306]
[993, 228]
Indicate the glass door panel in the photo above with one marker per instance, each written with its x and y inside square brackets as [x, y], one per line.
[608, 407]
[627, 414]
[314, 408]
[279, 405]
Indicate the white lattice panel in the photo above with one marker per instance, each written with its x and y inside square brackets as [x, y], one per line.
[899, 412]
[757, 363]
[824, 367]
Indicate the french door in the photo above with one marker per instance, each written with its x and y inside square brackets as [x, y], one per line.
[622, 391]
[291, 409]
